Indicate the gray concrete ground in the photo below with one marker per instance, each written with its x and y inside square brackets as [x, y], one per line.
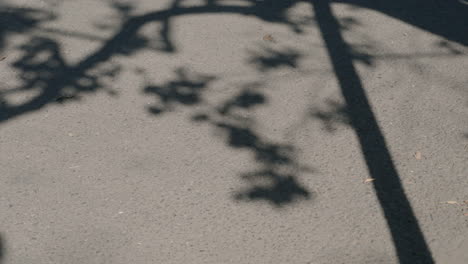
[236, 131]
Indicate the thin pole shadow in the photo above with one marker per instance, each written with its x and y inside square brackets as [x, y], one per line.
[408, 238]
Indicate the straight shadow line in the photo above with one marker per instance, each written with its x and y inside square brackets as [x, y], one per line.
[408, 239]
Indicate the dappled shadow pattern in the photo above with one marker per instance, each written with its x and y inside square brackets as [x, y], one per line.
[282, 189]
[276, 179]
[247, 99]
[128, 40]
[15, 20]
[43, 69]
[270, 59]
[46, 74]
[185, 90]
[55, 80]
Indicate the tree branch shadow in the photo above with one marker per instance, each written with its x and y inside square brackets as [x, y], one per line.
[17, 20]
[52, 78]
[44, 69]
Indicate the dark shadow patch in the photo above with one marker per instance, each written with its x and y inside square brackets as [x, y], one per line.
[280, 189]
[270, 59]
[66, 98]
[445, 18]
[247, 99]
[276, 181]
[16, 20]
[185, 90]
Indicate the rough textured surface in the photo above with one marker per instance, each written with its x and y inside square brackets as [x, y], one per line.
[218, 144]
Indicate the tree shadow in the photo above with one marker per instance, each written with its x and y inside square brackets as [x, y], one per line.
[409, 241]
[445, 18]
[127, 41]
[58, 81]
[269, 59]
[44, 69]
[45, 72]
[16, 20]
[185, 90]
[276, 179]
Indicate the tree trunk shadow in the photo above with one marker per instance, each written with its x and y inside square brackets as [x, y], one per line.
[408, 238]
